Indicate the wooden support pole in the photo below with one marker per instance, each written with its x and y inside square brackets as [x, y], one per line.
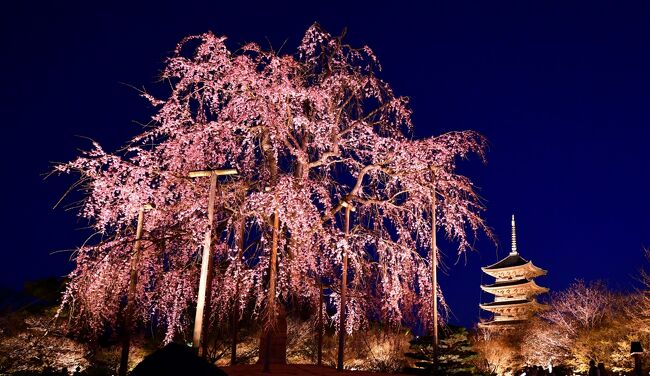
[207, 307]
[205, 264]
[434, 275]
[344, 291]
[130, 296]
[203, 298]
[235, 308]
[319, 334]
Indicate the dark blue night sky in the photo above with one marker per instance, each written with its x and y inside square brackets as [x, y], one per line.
[560, 89]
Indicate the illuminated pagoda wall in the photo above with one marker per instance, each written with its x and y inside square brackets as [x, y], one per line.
[514, 289]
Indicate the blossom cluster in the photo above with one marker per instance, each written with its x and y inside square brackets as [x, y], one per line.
[308, 134]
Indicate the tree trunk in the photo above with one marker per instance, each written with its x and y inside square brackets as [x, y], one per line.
[271, 314]
[273, 346]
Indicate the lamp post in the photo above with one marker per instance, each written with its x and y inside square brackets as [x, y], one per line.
[206, 258]
[344, 289]
[130, 295]
[636, 351]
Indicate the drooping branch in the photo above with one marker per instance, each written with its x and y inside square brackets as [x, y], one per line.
[307, 133]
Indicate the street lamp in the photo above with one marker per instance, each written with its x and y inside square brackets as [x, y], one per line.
[206, 258]
[130, 297]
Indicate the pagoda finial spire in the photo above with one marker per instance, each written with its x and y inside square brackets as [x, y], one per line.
[513, 249]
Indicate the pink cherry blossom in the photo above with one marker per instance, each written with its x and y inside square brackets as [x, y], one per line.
[306, 132]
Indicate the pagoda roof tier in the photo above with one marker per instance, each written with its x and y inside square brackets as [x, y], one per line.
[513, 259]
[523, 305]
[522, 286]
[515, 282]
[513, 266]
[506, 303]
[502, 324]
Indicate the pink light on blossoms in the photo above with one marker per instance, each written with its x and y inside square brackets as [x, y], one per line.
[316, 128]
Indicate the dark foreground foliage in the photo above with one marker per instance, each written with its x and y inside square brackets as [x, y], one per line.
[175, 359]
[455, 354]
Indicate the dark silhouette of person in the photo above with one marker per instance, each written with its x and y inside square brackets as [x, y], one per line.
[593, 371]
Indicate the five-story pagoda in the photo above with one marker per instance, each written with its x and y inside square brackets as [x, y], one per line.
[514, 289]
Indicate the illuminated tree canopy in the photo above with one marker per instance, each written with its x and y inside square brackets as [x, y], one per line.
[308, 133]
